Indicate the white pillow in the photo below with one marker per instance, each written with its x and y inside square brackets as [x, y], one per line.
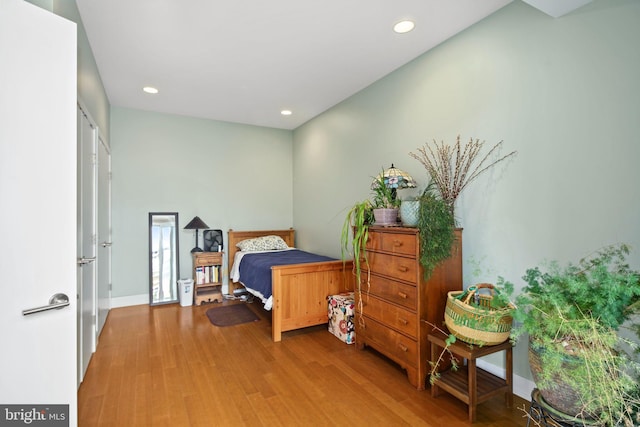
[266, 243]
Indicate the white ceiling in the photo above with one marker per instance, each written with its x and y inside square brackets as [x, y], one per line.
[246, 60]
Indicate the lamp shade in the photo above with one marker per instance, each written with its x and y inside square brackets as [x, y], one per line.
[395, 178]
[196, 224]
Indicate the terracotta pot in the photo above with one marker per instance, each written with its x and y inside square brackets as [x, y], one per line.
[559, 395]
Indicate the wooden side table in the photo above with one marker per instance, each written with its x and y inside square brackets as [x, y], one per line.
[469, 383]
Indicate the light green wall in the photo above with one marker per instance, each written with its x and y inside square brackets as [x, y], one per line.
[91, 91]
[230, 175]
[564, 93]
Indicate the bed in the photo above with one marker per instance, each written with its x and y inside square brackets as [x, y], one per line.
[299, 291]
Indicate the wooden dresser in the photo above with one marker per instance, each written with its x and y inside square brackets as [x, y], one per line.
[398, 298]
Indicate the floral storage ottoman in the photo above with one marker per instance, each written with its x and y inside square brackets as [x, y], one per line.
[341, 311]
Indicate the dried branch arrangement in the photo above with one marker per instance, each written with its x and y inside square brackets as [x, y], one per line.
[451, 167]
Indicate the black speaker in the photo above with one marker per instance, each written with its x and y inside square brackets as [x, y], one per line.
[212, 240]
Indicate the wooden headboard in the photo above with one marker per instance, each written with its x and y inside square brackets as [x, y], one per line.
[237, 236]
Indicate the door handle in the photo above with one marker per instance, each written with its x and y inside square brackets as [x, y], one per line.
[83, 260]
[105, 244]
[57, 301]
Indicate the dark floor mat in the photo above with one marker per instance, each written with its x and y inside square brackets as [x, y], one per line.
[230, 315]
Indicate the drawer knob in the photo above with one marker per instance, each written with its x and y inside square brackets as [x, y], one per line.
[397, 243]
[403, 321]
[403, 347]
[403, 268]
[402, 295]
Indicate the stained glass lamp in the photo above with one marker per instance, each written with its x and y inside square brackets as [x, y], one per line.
[394, 178]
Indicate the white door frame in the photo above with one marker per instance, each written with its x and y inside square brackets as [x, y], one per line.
[87, 239]
[104, 234]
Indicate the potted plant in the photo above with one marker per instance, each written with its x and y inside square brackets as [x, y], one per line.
[360, 217]
[385, 205]
[451, 168]
[362, 214]
[572, 316]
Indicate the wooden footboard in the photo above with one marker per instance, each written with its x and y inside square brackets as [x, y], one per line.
[300, 293]
[300, 290]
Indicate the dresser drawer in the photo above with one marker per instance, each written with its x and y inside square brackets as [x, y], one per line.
[391, 315]
[402, 349]
[403, 244]
[207, 258]
[390, 290]
[395, 267]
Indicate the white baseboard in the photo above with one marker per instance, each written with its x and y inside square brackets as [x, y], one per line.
[140, 299]
[129, 300]
[521, 386]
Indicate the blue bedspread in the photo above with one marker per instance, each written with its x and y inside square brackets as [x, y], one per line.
[255, 269]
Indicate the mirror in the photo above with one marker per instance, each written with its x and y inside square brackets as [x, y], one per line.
[163, 257]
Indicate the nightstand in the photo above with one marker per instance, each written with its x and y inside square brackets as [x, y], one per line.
[207, 277]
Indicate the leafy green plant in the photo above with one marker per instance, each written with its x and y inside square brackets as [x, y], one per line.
[383, 197]
[572, 314]
[602, 286]
[437, 230]
[357, 221]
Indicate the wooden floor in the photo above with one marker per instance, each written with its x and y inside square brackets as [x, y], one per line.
[168, 366]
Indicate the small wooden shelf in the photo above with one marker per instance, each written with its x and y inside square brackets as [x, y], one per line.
[207, 277]
[469, 383]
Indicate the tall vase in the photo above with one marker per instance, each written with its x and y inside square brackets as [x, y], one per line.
[409, 210]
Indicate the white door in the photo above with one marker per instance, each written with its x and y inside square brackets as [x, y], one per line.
[87, 240]
[104, 233]
[38, 214]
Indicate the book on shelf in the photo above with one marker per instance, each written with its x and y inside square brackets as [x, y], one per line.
[200, 275]
[208, 274]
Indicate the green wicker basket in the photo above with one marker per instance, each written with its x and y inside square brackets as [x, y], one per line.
[471, 317]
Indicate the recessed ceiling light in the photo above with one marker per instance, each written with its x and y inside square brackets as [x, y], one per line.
[150, 89]
[286, 112]
[403, 27]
